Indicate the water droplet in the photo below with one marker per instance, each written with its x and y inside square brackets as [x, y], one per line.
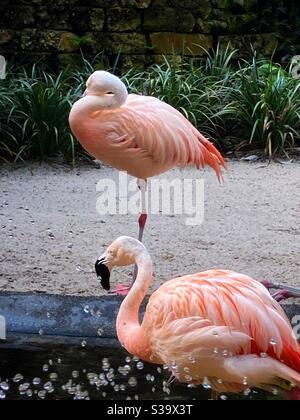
[24, 387]
[4, 386]
[49, 387]
[45, 368]
[83, 343]
[263, 355]
[117, 388]
[245, 381]
[100, 332]
[216, 350]
[128, 359]
[29, 393]
[132, 381]
[206, 384]
[273, 342]
[86, 309]
[53, 377]
[75, 374]
[78, 268]
[140, 365]
[42, 395]
[36, 381]
[18, 378]
[2, 395]
[124, 370]
[48, 315]
[247, 392]
[224, 398]
[225, 353]
[41, 332]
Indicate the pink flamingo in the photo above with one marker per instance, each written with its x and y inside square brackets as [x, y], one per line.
[217, 328]
[137, 134]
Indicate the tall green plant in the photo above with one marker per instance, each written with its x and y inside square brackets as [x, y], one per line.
[35, 117]
[266, 107]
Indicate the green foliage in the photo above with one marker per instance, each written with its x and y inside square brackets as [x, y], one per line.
[242, 105]
[34, 117]
[266, 107]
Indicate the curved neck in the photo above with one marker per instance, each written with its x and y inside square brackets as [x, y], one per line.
[91, 105]
[130, 333]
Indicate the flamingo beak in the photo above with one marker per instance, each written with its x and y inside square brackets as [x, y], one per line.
[103, 272]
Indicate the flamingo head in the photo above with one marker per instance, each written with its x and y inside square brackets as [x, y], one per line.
[106, 85]
[121, 253]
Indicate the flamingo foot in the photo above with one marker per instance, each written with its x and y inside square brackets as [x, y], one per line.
[121, 289]
[282, 295]
[283, 291]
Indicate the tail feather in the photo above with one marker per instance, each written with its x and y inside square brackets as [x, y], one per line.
[211, 156]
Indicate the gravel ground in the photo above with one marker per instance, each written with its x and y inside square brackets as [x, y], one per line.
[49, 227]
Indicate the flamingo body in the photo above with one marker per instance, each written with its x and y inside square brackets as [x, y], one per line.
[216, 326]
[223, 326]
[137, 134]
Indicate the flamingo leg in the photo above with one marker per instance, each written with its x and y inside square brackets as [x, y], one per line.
[142, 184]
[283, 291]
[123, 289]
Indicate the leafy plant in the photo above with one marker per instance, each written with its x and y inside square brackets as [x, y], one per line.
[266, 105]
[34, 119]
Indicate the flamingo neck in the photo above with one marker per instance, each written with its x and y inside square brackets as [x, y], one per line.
[129, 330]
[90, 105]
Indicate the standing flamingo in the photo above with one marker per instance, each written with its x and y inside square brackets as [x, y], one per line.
[137, 134]
[217, 327]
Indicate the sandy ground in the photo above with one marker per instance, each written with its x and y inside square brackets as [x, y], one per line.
[49, 226]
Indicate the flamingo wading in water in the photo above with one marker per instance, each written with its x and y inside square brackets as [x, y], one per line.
[140, 135]
[216, 327]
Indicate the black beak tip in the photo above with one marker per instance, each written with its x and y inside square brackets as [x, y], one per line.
[103, 272]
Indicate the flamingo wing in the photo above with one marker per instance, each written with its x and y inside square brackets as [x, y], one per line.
[222, 325]
[147, 128]
[250, 320]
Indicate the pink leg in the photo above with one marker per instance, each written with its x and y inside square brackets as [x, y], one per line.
[123, 289]
[283, 291]
[142, 223]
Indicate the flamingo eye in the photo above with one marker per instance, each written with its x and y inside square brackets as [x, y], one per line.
[110, 93]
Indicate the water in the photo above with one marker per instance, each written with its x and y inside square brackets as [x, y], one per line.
[73, 372]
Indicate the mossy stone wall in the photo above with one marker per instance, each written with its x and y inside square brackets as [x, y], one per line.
[140, 31]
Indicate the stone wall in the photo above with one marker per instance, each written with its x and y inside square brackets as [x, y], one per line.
[140, 31]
